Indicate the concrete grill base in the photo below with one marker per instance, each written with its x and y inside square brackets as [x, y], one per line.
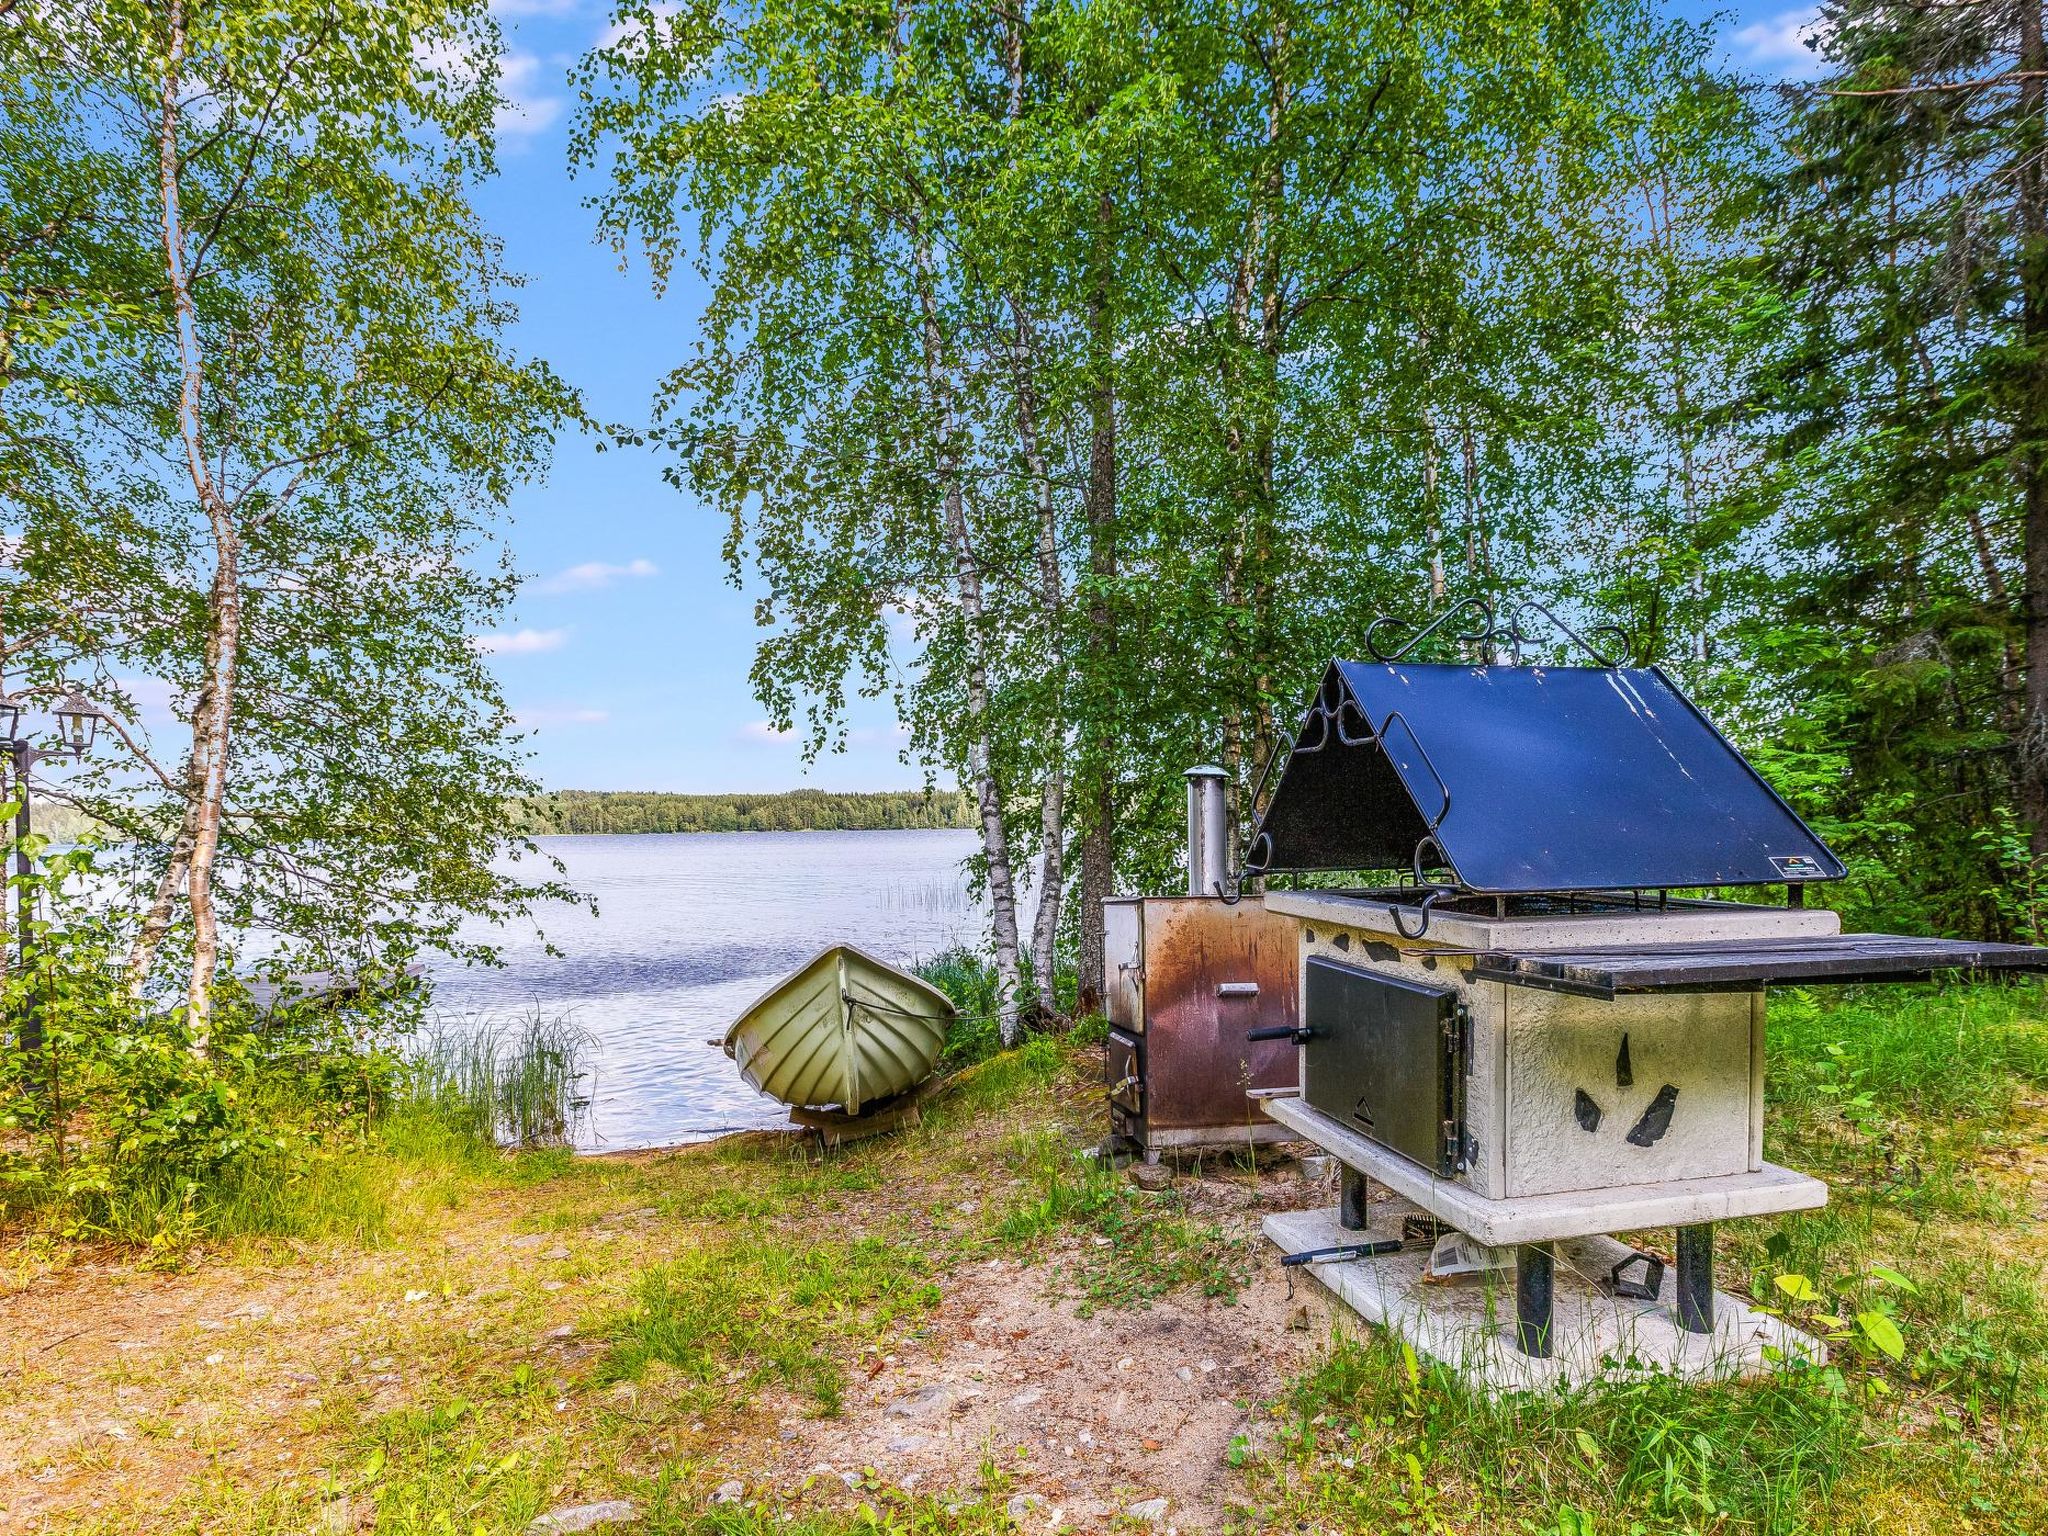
[1468, 1325]
[1581, 1213]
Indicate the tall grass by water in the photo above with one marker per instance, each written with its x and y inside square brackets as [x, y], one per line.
[525, 1083]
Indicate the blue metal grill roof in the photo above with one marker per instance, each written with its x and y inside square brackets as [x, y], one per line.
[1527, 778]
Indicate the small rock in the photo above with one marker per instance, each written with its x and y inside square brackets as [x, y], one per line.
[904, 1444]
[1153, 1176]
[915, 1405]
[1086, 1437]
[1151, 1511]
[1299, 1319]
[585, 1517]
[731, 1491]
[1126, 1363]
[1208, 1366]
[336, 1518]
[1021, 1504]
[556, 1253]
[412, 1296]
[551, 1285]
[1027, 1398]
[525, 1240]
[623, 1392]
[1317, 1169]
[1185, 1374]
[566, 1331]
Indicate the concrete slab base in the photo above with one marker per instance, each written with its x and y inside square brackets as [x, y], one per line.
[1469, 1325]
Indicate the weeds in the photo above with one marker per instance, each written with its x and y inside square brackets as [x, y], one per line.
[526, 1084]
[737, 1314]
[1137, 1246]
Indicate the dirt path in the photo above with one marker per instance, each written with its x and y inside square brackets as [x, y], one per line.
[235, 1396]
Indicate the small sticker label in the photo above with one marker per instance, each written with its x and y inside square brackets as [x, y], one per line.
[1797, 866]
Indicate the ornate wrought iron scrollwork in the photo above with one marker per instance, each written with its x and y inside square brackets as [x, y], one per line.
[1499, 630]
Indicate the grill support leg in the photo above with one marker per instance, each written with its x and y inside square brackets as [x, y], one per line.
[1353, 1191]
[1696, 1278]
[1533, 1295]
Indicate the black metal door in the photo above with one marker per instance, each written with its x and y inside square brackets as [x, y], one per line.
[1382, 1058]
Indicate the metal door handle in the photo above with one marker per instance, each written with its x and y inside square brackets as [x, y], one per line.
[1300, 1034]
[1237, 989]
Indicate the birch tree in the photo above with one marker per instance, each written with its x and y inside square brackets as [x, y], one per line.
[313, 414]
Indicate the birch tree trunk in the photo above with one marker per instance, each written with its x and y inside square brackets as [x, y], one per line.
[1051, 596]
[207, 774]
[995, 846]
[1098, 840]
[1052, 874]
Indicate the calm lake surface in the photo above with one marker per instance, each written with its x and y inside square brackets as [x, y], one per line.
[690, 928]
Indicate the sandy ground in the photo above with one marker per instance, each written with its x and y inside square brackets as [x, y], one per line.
[1115, 1409]
[256, 1377]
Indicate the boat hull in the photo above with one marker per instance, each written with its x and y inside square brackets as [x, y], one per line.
[844, 1029]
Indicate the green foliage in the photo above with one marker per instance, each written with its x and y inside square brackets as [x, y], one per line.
[755, 1309]
[1139, 1246]
[334, 366]
[120, 1128]
[527, 1084]
[802, 810]
[1374, 1433]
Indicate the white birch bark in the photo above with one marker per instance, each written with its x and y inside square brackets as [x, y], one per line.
[1002, 892]
[207, 777]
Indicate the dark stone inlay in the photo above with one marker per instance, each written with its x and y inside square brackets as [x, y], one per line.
[1308, 935]
[1386, 954]
[1624, 1070]
[1341, 940]
[1429, 962]
[1586, 1110]
[1656, 1119]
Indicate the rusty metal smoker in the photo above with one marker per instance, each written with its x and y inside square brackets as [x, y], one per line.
[1186, 979]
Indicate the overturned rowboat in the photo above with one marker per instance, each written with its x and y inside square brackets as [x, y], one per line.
[843, 1031]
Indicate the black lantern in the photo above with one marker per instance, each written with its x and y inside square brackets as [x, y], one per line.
[78, 720]
[10, 716]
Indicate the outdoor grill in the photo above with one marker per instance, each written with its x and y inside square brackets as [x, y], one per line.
[1201, 1003]
[1519, 1027]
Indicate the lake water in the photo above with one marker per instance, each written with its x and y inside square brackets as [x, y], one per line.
[690, 929]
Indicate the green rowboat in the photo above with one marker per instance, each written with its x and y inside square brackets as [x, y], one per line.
[844, 1029]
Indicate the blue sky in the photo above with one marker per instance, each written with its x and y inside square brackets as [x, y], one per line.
[627, 657]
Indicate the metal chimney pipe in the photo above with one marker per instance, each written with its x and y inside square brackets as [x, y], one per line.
[1208, 858]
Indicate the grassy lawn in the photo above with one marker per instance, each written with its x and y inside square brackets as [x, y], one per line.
[975, 1327]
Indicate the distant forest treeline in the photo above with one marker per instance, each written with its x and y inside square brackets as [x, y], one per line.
[801, 810]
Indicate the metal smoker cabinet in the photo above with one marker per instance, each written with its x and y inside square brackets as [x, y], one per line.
[1187, 978]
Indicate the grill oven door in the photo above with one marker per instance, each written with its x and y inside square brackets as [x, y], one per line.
[1383, 1057]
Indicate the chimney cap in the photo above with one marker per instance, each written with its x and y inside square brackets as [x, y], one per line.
[1207, 771]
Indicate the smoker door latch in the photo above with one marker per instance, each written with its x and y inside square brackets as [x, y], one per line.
[1300, 1034]
[1237, 989]
[1459, 1027]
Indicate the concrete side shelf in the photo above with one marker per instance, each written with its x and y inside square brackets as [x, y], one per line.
[1541, 1218]
[1469, 1325]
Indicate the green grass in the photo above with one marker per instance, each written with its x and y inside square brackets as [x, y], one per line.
[1134, 1246]
[526, 1083]
[739, 1314]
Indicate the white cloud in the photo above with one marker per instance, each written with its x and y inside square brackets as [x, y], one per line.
[541, 715]
[762, 732]
[635, 29]
[521, 642]
[526, 110]
[593, 575]
[1778, 45]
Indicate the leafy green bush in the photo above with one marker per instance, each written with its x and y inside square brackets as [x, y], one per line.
[122, 1126]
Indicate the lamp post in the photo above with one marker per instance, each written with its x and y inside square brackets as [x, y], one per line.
[78, 721]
